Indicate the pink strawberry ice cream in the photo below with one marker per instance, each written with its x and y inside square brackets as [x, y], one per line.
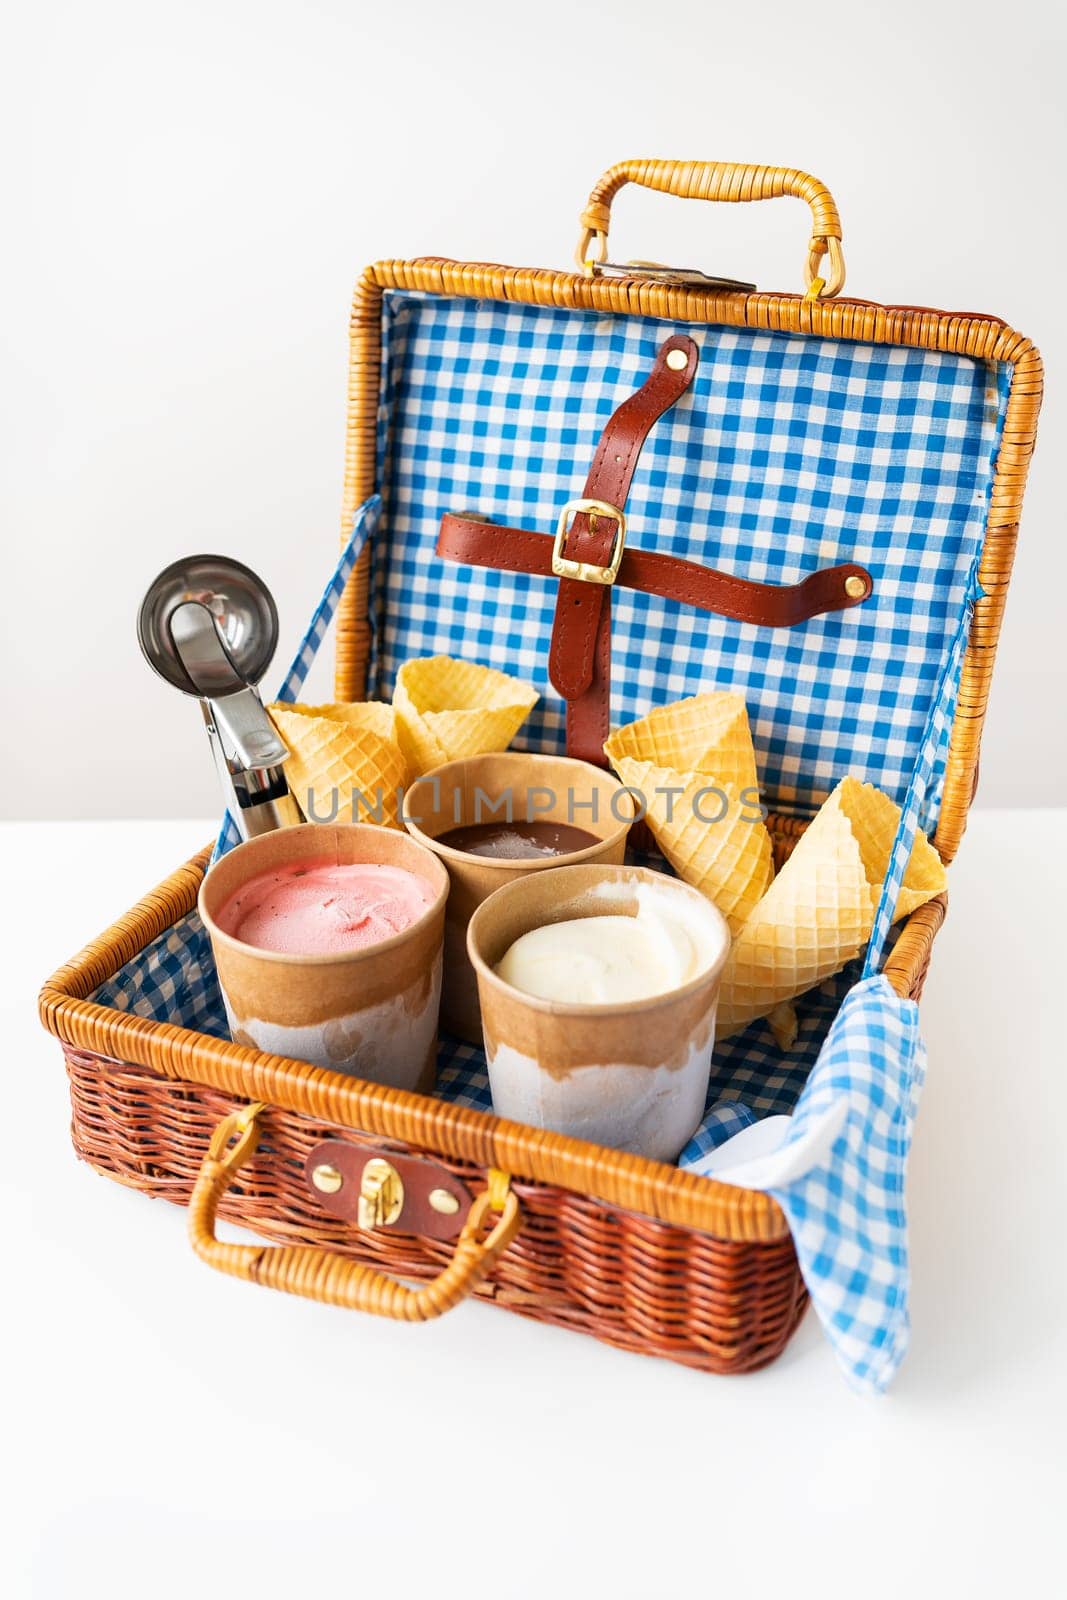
[325, 907]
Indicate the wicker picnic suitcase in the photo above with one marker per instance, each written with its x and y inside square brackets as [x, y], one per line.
[636, 1252]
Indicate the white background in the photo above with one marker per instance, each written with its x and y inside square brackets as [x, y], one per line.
[192, 191]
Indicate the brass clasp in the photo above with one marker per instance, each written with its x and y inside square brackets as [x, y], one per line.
[381, 1195]
[588, 571]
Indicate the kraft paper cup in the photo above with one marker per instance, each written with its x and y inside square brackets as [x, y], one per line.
[543, 789]
[632, 1076]
[371, 1013]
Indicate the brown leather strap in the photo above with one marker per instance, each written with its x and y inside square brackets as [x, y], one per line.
[771, 605]
[579, 660]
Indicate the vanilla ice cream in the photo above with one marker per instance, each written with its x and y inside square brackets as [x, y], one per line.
[613, 959]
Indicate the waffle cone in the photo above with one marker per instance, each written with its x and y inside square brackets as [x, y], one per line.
[448, 709]
[729, 860]
[875, 820]
[337, 749]
[818, 912]
[706, 733]
[376, 715]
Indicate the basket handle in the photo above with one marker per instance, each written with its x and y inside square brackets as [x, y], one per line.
[324, 1275]
[720, 180]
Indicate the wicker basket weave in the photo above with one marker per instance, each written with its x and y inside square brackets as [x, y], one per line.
[632, 1251]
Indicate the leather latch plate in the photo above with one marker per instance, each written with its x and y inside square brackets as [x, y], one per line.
[435, 1203]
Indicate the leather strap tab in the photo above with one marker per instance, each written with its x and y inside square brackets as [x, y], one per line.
[579, 660]
[770, 605]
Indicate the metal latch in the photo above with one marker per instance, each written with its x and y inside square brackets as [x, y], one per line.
[381, 1195]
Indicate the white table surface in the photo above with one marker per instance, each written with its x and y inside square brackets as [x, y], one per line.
[170, 1432]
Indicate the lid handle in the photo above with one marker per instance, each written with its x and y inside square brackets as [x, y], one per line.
[727, 181]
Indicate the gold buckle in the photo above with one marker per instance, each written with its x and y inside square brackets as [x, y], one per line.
[588, 571]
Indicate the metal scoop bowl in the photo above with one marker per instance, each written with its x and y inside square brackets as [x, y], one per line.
[209, 627]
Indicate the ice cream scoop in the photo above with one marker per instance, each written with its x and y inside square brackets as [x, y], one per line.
[617, 959]
[208, 626]
[325, 907]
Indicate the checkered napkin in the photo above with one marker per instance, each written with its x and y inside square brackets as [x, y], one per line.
[846, 1212]
[847, 1216]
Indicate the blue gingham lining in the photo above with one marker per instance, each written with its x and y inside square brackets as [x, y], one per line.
[929, 762]
[788, 453]
[173, 980]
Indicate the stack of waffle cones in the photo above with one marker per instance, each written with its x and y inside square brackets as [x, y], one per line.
[694, 765]
[350, 763]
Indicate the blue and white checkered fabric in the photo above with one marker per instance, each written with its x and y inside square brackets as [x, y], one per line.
[847, 1213]
[930, 761]
[173, 980]
[722, 1119]
[847, 1217]
[787, 454]
[364, 525]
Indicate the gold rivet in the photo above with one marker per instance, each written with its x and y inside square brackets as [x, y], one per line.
[327, 1178]
[855, 586]
[677, 360]
[444, 1201]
